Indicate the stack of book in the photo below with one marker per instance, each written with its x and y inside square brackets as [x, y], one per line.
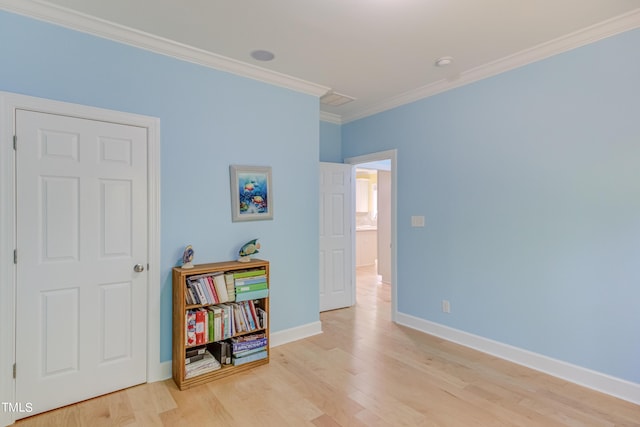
[199, 361]
[250, 285]
[206, 289]
[248, 348]
[218, 322]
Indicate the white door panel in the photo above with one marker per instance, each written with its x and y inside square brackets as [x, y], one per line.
[336, 236]
[81, 228]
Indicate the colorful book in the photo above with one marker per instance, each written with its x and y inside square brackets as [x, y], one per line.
[200, 325]
[248, 345]
[251, 322]
[193, 292]
[250, 280]
[245, 353]
[230, 281]
[248, 273]
[251, 295]
[190, 338]
[256, 318]
[202, 297]
[205, 289]
[262, 315]
[251, 287]
[212, 290]
[221, 287]
[251, 358]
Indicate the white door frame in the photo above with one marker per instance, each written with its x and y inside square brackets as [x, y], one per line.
[9, 103]
[372, 157]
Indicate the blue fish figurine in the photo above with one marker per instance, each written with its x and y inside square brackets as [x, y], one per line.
[248, 249]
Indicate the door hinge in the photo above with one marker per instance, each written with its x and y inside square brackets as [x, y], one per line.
[14, 371]
[15, 256]
[15, 141]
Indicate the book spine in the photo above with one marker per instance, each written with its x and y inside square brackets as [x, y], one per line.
[250, 280]
[217, 313]
[251, 295]
[248, 345]
[207, 290]
[248, 273]
[212, 290]
[254, 314]
[251, 287]
[194, 293]
[247, 312]
[263, 317]
[190, 337]
[221, 287]
[245, 353]
[251, 358]
[200, 327]
[201, 295]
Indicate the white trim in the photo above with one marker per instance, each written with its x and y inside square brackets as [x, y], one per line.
[294, 334]
[105, 29]
[9, 102]
[7, 268]
[330, 117]
[164, 372]
[91, 25]
[594, 33]
[393, 156]
[616, 387]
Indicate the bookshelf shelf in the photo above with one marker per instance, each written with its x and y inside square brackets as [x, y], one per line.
[259, 306]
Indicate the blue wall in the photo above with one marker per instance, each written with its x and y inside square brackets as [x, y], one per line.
[530, 185]
[209, 120]
[330, 142]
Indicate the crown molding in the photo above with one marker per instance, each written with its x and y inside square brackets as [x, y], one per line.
[585, 36]
[68, 18]
[330, 117]
[71, 19]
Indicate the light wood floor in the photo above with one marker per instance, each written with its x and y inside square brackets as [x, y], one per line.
[362, 371]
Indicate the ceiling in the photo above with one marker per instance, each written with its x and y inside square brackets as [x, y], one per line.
[380, 52]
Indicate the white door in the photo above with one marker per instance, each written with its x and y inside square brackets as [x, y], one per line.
[81, 227]
[336, 236]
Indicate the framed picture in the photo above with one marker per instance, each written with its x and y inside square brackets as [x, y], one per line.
[251, 193]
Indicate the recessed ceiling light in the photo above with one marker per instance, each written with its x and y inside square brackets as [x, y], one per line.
[262, 55]
[444, 61]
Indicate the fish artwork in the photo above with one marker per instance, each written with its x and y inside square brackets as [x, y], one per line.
[187, 257]
[248, 249]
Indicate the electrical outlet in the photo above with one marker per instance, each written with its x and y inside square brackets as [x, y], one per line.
[446, 306]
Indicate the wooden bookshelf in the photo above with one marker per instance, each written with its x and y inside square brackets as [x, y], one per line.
[180, 309]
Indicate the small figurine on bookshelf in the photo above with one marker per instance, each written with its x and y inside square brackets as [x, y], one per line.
[187, 257]
[248, 249]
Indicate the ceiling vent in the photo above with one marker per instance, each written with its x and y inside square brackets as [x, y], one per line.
[335, 99]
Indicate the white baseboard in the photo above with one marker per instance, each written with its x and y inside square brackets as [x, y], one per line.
[160, 372]
[294, 334]
[604, 383]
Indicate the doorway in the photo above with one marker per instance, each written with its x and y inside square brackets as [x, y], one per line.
[61, 249]
[375, 224]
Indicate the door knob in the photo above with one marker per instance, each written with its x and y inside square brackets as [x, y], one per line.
[138, 268]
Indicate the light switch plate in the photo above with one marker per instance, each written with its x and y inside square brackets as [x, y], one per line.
[417, 221]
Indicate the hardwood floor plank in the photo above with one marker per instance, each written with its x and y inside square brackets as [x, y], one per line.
[363, 370]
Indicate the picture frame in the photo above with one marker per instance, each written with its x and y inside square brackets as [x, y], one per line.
[251, 193]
